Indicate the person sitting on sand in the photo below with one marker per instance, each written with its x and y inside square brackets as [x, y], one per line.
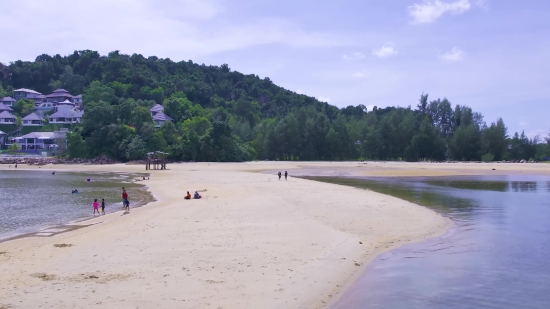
[188, 196]
[197, 195]
[74, 191]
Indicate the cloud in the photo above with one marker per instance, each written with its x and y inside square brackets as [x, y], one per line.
[359, 75]
[384, 52]
[454, 55]
[356, 55]
[323, 99]
[523, 124]
[181, 29]
[429, 11]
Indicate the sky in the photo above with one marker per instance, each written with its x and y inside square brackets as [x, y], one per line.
[491, 55]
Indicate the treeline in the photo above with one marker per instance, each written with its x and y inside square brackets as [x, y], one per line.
[223, 115]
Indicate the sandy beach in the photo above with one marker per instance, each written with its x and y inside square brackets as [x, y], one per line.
[252, 241]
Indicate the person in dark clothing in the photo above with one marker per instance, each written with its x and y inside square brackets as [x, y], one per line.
[279, 175]
[286, 174]
[103, 206]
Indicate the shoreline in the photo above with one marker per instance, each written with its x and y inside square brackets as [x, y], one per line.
[275, 245]
[81, 222]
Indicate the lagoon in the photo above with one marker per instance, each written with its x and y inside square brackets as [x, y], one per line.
[497, 255]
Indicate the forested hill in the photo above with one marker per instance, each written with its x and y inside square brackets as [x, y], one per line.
[154, 79]
[223, 115]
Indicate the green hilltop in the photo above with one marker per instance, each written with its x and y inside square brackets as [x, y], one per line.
[216, 114]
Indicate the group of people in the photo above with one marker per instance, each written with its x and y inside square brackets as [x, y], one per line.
[125, 203]
[96, 207]
[196, 196]
[286, 175]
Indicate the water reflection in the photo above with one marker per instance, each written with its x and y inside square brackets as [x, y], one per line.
[495, 257]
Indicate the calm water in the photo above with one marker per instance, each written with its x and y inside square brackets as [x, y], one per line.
[32, 200]
[496, 256]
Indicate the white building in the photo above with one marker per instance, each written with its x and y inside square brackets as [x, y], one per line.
[5, 108]
[24, 93]
[40, 140]
[7, 118]
[8, 101]
[32, 120]
[66, 116]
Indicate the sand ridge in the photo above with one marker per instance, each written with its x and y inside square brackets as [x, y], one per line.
[251, 242]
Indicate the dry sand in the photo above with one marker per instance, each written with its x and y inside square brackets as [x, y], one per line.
[251, 242]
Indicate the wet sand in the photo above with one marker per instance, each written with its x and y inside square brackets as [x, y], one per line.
[251, 242]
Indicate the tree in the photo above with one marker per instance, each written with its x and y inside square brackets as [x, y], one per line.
[495, 140]
[136, 149]
[97, 92]
[76, 147]
[139, 117]
[23, 107]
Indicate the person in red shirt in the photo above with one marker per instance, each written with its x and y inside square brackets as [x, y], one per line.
[125, 201]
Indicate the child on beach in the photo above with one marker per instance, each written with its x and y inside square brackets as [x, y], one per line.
[96, 207]
[103, 206]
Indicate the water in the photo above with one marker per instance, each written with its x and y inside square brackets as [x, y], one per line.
[32, 200]
[496, 256]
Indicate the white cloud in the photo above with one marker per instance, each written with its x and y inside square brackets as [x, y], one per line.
[359, 75]
[454, 55]
[180, 29]
[384, 52]
[356, 55]
[523, 124]
[429, 11]
[323, 99]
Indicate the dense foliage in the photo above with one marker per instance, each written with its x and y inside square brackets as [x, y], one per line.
[223, 115]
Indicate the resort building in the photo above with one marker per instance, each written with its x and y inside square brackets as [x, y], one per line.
[8, 101]
[66, 116]
[32, 120]
[59, 95]
[40, 140]
[6, 118]
[5, 108]
[24, 93]
[158, 116]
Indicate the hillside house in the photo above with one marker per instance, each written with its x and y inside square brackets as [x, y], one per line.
[32, 120]
[66, 116]
[40, 140]
[59, 95]
[159, 117]
[24, 93]
[6, 118]
[8, 101]
[4, 108]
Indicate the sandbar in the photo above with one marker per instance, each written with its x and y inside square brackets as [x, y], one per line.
[252, 241]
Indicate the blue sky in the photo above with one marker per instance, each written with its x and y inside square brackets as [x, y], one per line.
[490, 55]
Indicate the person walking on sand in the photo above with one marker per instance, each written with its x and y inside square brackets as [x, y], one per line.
[96, 207]
[279, 175]
[286, 174]
[103, 206]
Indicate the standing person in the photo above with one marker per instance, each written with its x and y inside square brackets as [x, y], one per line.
[96, 207]
[279, 175]
[125, 202]
[286, 174]
[103, 206]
